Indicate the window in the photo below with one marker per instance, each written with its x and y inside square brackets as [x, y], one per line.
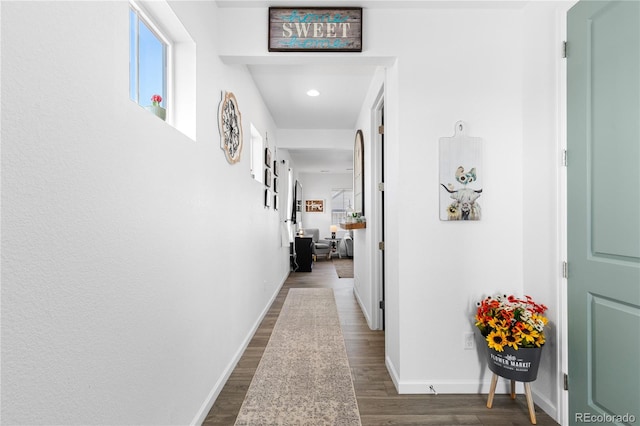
[148, 51]
[341, 202]
[162, 62]
[257, 155]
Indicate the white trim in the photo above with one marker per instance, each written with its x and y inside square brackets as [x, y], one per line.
[152, 22]
[395, 378]
[376, 205]
[180, 87]
[418, 387]
[256, 153]
[202, 413]
[546, 405]
[561, 411]
[362, 306]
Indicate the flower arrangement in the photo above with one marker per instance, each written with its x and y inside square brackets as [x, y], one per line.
[509, 321]
[156, 99]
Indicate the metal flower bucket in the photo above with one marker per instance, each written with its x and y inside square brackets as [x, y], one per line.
[520, 365]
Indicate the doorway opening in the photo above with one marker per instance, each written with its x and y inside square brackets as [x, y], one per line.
[341, 205]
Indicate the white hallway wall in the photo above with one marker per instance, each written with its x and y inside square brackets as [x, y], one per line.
[135, 261]
[466, 66]
[495, 66]
[440, 269]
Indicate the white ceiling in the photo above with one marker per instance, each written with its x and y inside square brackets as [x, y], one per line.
[342, 92]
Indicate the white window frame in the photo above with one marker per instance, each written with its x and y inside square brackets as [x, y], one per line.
[144, 16]
[339, 214]
[181, 63]
[257, 154]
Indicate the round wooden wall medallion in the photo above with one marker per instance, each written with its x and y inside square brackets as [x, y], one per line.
[230, 126]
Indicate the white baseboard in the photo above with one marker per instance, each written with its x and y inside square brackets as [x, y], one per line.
[454, 387]
[447, 386]
[392, 372]
[545, 405]
[464, 386]
[201, 415]
[365, 312]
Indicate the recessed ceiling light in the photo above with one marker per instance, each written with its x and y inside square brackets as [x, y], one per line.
[313, 93]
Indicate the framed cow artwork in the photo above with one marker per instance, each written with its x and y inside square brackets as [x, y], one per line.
[461, 171]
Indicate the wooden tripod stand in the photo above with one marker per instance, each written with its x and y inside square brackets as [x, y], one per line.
[527, 393]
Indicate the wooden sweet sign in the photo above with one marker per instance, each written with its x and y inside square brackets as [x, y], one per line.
[315, 29]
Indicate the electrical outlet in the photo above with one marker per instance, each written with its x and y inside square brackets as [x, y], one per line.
[469, 340]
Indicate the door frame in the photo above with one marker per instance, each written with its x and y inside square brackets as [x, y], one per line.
[377, 266]
[563, 359]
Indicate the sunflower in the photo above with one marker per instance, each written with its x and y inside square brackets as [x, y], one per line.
[512, 341]
[540, 340]
[498, 324]
[497, 340]
[527, 333]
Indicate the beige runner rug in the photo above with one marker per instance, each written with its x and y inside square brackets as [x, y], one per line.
[303, 377]
[344, 267]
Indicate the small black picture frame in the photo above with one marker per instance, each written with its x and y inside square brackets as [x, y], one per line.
[267, 157]
[267, 198]
[267, 177]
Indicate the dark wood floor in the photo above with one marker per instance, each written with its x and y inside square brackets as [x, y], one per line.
[378, 401]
